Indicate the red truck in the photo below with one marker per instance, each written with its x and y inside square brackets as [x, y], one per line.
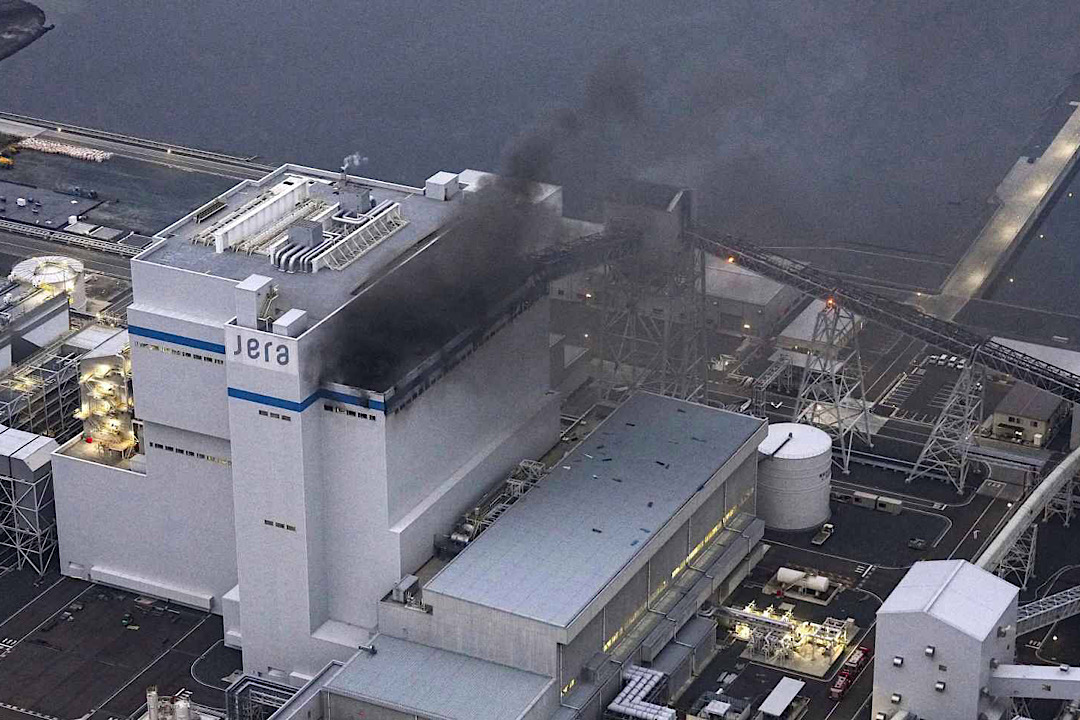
[854, 664]
[857, 660]
[840, 685]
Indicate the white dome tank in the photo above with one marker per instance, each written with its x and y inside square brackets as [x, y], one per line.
[794, 474]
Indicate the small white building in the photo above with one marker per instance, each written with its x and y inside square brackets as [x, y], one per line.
[1060, 357]
[1027, 415]
[940, 634]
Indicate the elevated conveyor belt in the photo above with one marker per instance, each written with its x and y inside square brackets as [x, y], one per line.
[1048, 610]
[1030, 511]
[908, 319]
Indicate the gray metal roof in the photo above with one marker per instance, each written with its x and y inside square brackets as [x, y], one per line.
[955, 592]
[733, 282]
[319, 293]
[551, 553]
[1029, 402]
[780, 698]
[434, 683]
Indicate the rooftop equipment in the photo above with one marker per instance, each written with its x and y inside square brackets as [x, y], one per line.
[56, 274]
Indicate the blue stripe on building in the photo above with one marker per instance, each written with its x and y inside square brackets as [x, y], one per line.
[320, 394]
[176, 339]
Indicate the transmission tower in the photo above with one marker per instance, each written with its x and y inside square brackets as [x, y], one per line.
[1064, 503]
[1019, 561]
[831, 390]
[653, 325]
[945, 454]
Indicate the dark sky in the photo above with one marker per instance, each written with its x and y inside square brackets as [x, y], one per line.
[826, 123]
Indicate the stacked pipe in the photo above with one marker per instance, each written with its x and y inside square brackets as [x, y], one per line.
[631, 700]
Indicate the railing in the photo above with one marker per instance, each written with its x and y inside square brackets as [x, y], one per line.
[67, 238]
[1048, 610]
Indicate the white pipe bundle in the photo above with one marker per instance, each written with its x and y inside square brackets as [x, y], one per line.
[53, 147]
[639, 683]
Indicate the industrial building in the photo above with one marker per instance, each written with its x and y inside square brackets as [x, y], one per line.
[586, 586]
[799, 333]
[1027, 415]
[1059, 357]
[27, 515]
[739, 302]
[940, 634]
[743, 302]
[302, 433]
[946, 645]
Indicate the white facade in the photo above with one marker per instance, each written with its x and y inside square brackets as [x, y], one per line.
[940, 634]
[263, 492]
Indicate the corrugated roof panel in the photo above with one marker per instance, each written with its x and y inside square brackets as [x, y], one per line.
[437, 683]
[596, 510]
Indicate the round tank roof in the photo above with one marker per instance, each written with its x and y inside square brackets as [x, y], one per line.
[806, 441]
[47, 270]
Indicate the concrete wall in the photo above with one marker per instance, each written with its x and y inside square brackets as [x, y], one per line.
[311, 593]
[169, 532]
[164, 371]
[439, 432]
[183, 293]
[340, 707]
[960, 661]
[470, 629]
[443, 508]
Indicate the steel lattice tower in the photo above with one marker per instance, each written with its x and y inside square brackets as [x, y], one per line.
[946, 451]
[28, 521]
[831, 390]
[1064, 503]
[652, 325]
[1019, 561]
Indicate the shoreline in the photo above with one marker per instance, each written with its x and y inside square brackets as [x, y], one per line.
[21, 23]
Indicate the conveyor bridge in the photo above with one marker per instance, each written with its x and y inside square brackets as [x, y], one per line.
[947, 336]
[1048, 610]
[943, 334]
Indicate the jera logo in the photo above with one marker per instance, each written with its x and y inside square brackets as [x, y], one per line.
[261, 351]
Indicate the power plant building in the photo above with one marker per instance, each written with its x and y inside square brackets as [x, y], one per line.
[598, 569]
[303, 434]
[941, 636]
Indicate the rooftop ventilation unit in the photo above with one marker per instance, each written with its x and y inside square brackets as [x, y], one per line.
[384, 221]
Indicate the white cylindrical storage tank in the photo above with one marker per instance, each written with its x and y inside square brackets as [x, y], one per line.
[794, 474]
[787, 576]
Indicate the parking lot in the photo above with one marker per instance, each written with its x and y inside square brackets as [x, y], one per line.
[104, 647]
[873, 537]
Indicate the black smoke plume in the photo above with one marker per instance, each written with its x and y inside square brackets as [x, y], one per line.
[485, 255]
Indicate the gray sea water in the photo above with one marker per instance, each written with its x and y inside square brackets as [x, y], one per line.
[821, 124]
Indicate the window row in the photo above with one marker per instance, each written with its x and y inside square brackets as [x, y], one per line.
[180, 353]
[283, 526]
[345, 411]
[191, 453]
[276, 416]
